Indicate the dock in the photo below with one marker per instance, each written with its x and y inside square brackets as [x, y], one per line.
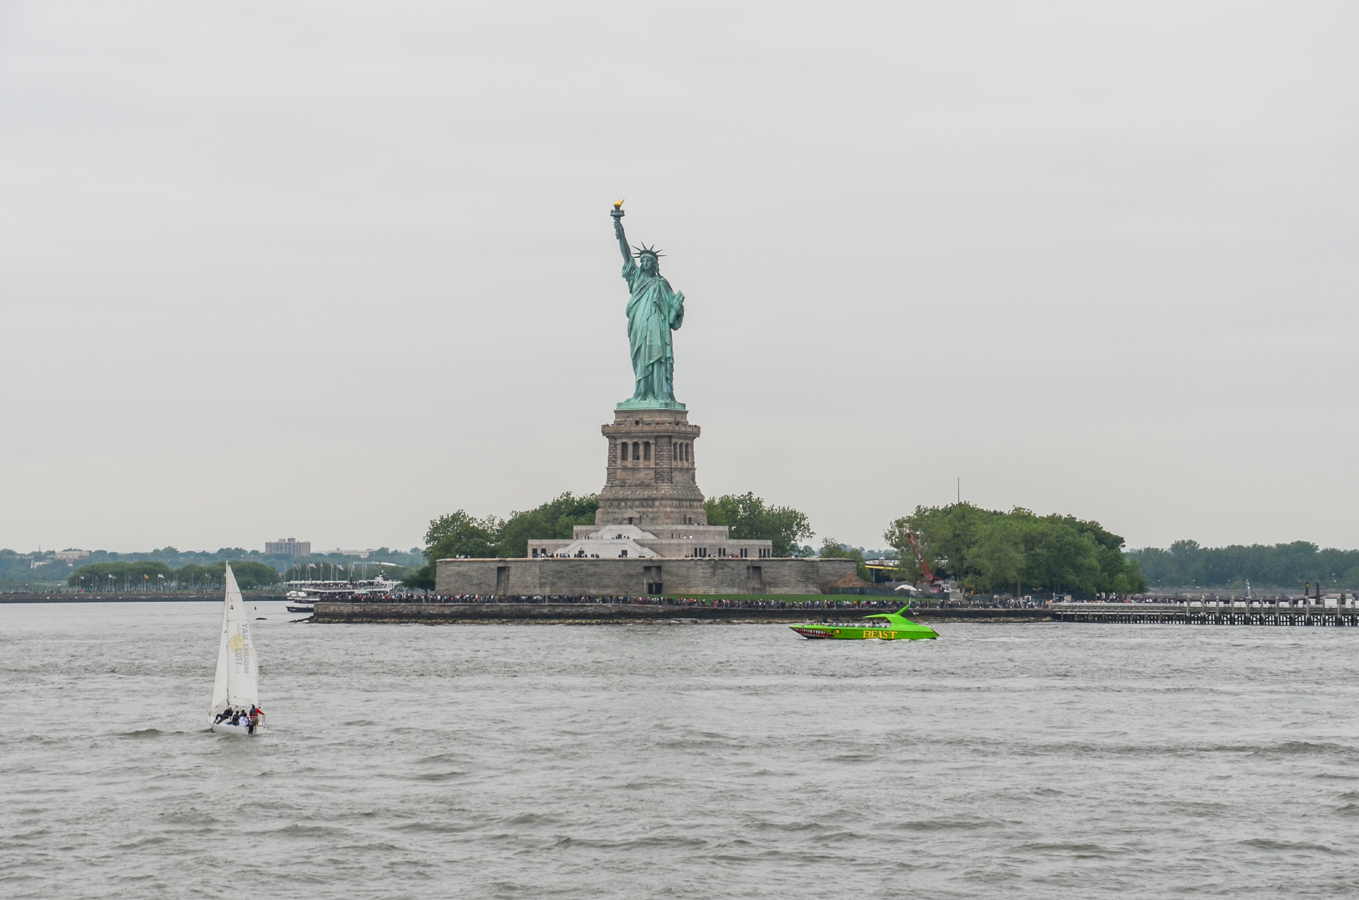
[330, 613]
[1280, 613]
[1209, 612]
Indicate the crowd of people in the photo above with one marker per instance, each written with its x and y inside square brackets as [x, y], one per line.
[830, 601]
[891, 602]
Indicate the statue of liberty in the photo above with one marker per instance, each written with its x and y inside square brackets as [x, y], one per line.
[653, 312]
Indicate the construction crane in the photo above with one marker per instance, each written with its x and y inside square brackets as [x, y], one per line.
[920, 557]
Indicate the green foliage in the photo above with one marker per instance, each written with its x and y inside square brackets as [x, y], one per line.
[554, 519]
[142, 574]
[998, 554]
[1186, 564]
[43, 571]
[833, 549]
[419, 576]
[748, 518]
[988, 550]
[248, 573]
[125, 574]
[459, 534]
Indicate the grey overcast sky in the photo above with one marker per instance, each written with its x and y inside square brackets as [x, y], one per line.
[330, 269]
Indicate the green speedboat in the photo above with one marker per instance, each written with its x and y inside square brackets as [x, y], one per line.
[892, 627]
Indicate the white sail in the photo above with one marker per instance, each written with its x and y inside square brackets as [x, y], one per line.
[219, 683]
[237, 683]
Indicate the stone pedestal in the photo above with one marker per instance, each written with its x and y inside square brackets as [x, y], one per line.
[651, 470]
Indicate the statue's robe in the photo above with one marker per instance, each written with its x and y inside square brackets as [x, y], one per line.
[653, 312]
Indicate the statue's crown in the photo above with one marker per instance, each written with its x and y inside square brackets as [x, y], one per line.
[644, 250]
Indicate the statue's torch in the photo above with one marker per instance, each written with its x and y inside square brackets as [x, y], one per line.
[617, 210]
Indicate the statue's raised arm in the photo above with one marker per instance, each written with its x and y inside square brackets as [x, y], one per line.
[618, 231]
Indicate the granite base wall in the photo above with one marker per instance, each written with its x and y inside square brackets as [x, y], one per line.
[601, 577]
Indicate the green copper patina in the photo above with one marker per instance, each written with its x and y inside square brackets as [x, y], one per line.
[653, 312]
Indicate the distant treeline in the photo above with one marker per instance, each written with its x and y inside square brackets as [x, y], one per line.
[140, 575]
[1186, 564]
[43, 571]
[1016, 551]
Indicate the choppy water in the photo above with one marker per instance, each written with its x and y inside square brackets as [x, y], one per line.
[1023, 761]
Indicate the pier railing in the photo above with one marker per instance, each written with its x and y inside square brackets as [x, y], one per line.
[1212, 612]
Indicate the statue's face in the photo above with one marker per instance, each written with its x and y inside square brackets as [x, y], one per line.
[647, 262]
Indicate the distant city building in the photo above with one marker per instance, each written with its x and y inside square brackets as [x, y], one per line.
[72, 555]
[290, 547]
[361, 554]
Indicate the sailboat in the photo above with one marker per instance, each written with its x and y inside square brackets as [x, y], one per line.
[236, 688]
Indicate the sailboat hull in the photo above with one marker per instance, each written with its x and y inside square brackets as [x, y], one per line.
[242, 730]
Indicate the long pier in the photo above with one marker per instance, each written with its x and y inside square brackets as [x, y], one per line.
[1226, 612]
[330, 613]
[1280, 613]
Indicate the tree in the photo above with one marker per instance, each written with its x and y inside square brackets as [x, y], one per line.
[1188, 564]
[749, 518]
[419, 576]
[249, 573]
[944, 532]
[997, 558]
[1060, 558]
[994, 551]
[451, 536]
[135, 573]
[833, 549]
[556, 518]
[140, 572]
[461, 535]
[458, 534]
